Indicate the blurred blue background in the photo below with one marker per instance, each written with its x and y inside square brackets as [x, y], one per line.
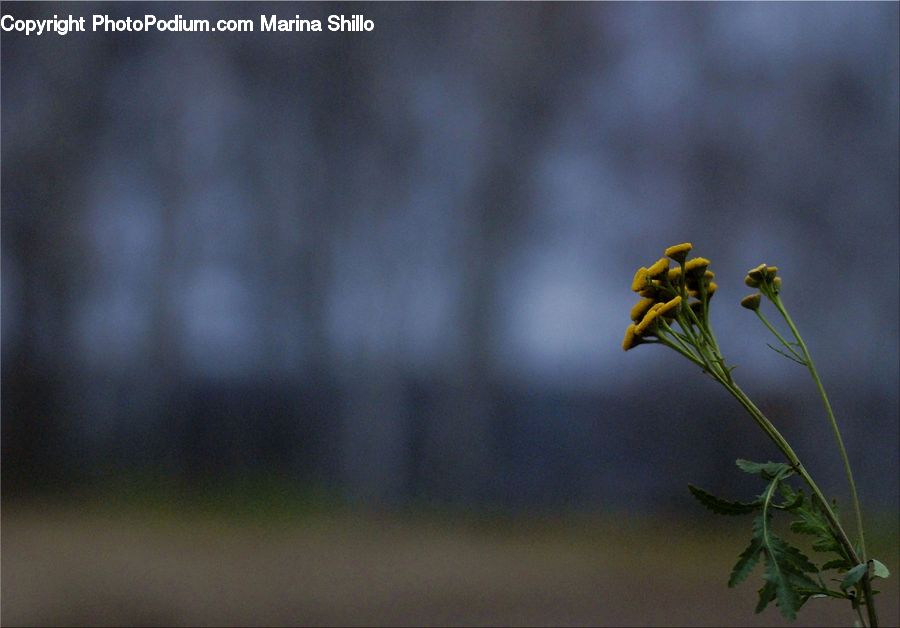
[392, 269]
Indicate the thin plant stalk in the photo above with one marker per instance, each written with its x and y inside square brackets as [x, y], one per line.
[831, 419]
[866, 584]
[724, 377]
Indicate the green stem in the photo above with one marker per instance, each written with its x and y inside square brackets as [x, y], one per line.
[862, 622]
[834, 426]
[682, 341]
[869, 598]
[768, 428]
[781, 339]
[794, 460]
[706, 347]
[663, 339]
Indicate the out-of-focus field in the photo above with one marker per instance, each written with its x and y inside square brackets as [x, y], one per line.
[87, 566]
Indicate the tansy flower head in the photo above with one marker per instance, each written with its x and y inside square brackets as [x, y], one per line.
[648, 320]
[669, 308]
[631, 339]
[757, 273]
[777, 283]
[696, 266]
[640, 308]
[751, 301]
[658, 268]
[693, 282]
[640, 279]
[751, 281]
[675, 274]
[711, 288]
[679, 251]
[771, 271]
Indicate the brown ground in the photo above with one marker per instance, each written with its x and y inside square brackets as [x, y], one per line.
[74, 567]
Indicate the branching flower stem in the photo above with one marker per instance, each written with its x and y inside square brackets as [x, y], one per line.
[675, 312]
[796, 356]
[861, 557]
[807, 359]
[794, 461]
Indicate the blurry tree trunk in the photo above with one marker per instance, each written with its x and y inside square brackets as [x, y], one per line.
[495, 218]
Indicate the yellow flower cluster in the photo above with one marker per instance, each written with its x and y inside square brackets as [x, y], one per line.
[766, 280]
[760, 275]
[663, 289]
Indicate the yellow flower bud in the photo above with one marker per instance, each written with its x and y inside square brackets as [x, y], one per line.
[669, 308]
[640, 308]
[751, 301]
[696, 266]
[757, 273]
[659, 268]
[675, 274]
[648, 320]
[752, 282]
[693, 282]
[679, 251]
[771, 271]
[640, 279]
[631, 339]
[711, 288]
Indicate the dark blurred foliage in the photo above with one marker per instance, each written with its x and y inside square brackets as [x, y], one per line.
[396, 264]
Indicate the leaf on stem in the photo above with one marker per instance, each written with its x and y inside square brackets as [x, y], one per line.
[722, 506]
[793, 499]
[786, 582]
[838, 563]
[789, 357]
[748, 558]
[812, 522]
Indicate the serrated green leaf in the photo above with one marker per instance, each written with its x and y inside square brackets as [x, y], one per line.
[794, 503]
[837, 563]
[827, 545]
[792, 555]
[792, 499]
[879, 570]
[722, 506]
[766, 595]
[767, 470]
[748, 558]
[787, 491]
[854, 575]
[785, 597]
[786, 566]
[787, 570]
[812, 522]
